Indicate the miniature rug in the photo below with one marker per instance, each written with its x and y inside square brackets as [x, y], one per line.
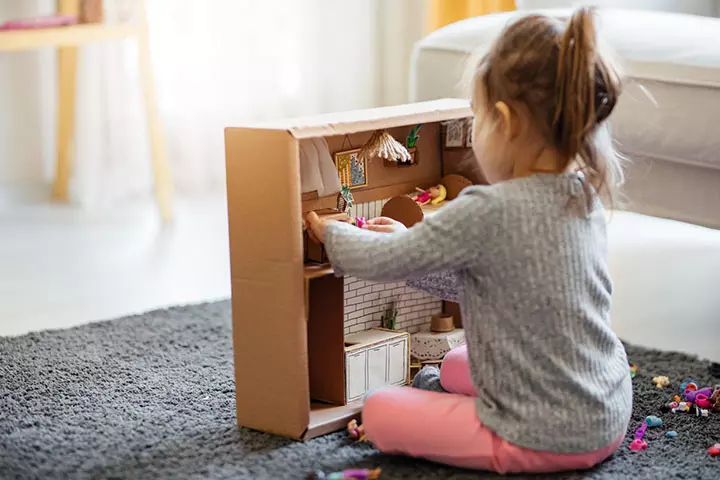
[152, 396]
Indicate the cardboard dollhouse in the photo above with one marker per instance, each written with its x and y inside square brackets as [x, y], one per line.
[306, 343]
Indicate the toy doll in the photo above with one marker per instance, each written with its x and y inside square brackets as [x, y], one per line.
[432, 195]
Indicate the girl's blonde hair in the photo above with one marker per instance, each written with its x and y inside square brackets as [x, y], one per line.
[555, 71]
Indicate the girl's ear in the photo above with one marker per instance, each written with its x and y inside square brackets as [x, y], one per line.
[509, 126]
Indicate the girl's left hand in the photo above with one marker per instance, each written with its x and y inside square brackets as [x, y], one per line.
[316, 226]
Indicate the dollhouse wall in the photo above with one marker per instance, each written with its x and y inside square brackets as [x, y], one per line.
[366, 302]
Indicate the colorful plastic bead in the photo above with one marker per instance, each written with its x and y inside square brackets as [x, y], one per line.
[653, 421]
[686, 384]
[714, 451]
[661, 381]
[671, 434]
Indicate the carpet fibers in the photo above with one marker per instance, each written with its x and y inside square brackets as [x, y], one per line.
[152, 396]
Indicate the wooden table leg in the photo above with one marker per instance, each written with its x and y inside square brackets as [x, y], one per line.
[66, 81]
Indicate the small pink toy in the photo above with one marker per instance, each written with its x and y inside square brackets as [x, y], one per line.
[639, 444]
[703, 401]
[714, 451]
[39, 22]
[360, 222]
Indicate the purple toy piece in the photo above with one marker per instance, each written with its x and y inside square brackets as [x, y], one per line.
[691, 395]
[639, 444]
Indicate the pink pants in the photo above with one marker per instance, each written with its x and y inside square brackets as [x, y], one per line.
[444, 427]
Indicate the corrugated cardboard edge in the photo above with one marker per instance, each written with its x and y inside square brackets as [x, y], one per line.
[266, 263]
[345, 123]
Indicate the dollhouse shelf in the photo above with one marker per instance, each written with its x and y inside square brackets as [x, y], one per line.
[316, 271]
[429, 209]
[13, 40]
[326, 418]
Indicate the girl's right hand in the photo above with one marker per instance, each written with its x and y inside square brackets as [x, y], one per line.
[384, 225]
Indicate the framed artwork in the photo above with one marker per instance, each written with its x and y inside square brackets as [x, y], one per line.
[455, 134]
[352, 169]
[468, 132]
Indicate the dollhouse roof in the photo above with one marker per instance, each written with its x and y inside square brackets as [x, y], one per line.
[372, 119]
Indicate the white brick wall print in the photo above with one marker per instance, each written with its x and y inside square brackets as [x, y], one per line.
[366, 302]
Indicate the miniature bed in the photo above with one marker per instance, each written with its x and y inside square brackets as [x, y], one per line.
[296, 326]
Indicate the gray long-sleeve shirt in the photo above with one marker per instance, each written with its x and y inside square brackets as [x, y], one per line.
[526, 261]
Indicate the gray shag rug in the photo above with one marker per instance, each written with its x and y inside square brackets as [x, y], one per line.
[152, 396]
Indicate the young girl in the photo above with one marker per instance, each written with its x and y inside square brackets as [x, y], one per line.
[543, 384]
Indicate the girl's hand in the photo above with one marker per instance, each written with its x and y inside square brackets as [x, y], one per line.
[384, 225]
[316, 226]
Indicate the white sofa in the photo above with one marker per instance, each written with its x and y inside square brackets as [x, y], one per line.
[666, 271]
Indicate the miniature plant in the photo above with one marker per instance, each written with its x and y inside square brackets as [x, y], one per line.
[412, 138]
[389, 318]
[345, 199]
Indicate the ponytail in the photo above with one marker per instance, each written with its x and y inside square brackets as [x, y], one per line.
[586, 92]
[575, 87]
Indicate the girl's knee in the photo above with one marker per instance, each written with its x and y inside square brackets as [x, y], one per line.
[377, 406]
[457, 354]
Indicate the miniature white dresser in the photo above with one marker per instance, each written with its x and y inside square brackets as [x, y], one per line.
[375, 358]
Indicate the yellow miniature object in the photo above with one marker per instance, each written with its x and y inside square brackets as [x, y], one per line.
[661, 381]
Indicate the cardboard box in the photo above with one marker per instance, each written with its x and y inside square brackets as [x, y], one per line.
[287, 315]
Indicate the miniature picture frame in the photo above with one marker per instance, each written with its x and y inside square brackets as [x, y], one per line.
[351, 168]
[469, 133]
[455, 134]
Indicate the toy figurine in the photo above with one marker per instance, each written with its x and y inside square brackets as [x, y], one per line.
[360, 222]
[356, 431]
[638, 443]
[661, 381]
[433, 195]
[356, 474]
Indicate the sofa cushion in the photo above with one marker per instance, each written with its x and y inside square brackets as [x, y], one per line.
[674, 57]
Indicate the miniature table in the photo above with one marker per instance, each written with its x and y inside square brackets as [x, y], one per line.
[432, 346]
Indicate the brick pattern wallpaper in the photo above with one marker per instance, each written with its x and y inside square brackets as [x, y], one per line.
[368, 209]
[366, 302]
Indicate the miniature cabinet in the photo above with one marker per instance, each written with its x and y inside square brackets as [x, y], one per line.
[373, 359]
[289, 343]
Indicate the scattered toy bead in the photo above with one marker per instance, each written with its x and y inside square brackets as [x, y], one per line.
[677, 398]
[633, 371]
[703, 401]
[714, 451]
[356, 474]
[653, 421]
[671, 434]
[661, 381]
[686, 384]
[691, 394]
